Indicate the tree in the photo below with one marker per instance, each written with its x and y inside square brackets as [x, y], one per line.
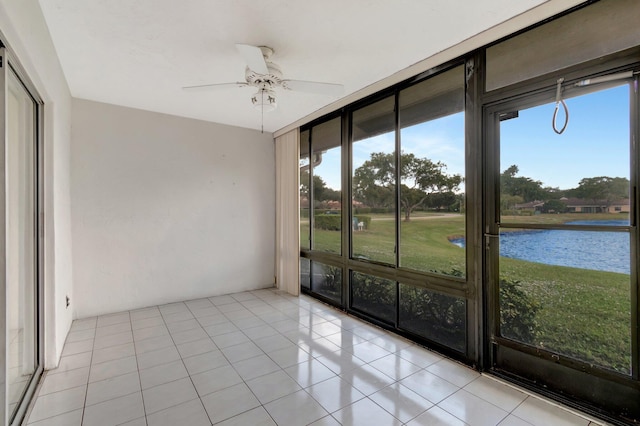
[508, 202]
[527, 188]
[603, 189]
[321, 191]
[374, 181]
[554, 206]
[331, 194]
[447, 200]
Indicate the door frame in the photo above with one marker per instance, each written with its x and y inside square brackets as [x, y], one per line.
[574, 382]
[9, 64]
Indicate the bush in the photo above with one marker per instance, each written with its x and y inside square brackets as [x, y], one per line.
[443, 317]
[517, 312]
[362, 210]
[327, 280]
[438, 317]
[330, 222]
[374, 295]
[365, 219]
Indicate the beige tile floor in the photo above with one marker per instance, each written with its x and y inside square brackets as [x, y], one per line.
[266, 358]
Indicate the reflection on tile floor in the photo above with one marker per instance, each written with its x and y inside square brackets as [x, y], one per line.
[266, 358]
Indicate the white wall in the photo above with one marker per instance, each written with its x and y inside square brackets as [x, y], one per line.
[25, 31]
[167, 208]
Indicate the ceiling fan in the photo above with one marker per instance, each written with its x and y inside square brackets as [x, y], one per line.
[266, 76]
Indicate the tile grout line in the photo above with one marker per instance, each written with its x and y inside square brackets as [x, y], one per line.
[86, 390]
[166, 324]
[185, 366]
[245, 381]
[280, 369]
[135, 354]
[297, 383]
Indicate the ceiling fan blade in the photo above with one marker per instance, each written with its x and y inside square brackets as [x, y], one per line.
[314, 87]
[219, 86]
[253, 57]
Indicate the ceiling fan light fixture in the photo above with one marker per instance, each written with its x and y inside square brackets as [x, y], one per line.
[264, 100]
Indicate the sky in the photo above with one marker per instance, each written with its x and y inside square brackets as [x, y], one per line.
[595, 142]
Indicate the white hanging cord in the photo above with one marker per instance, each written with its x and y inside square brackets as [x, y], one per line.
[262, 112]
[559, 101]
[582, 83]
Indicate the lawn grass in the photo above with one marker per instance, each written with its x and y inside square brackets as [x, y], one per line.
[583, 313]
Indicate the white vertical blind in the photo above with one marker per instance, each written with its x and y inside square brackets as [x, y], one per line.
[288, 212]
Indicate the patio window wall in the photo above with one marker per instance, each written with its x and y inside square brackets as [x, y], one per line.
[402, 157]
[435, 181]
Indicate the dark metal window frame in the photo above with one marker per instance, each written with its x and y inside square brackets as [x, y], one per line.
[448, 285]
[625, 389]
[480, 303]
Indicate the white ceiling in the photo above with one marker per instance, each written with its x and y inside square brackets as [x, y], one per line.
[139, 53]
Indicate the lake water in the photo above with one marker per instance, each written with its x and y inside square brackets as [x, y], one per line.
[603, 251]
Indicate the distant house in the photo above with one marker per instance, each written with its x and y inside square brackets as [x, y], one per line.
[580, 205]
[333, 205]
[534, 206]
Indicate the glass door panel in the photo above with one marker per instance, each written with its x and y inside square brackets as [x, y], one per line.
[564, 232]
[21, 244]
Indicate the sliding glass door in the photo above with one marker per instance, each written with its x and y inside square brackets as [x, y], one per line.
[561, 240]
[21, 277]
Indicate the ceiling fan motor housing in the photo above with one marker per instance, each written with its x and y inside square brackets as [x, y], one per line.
[265, 81]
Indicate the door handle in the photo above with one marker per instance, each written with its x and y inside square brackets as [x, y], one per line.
[487, 239]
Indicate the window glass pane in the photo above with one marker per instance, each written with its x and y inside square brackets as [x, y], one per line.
[374, 204]
[432, 167]
[374, 296]
[580, 175]
[327, 185]
[305, 198]
[434, 316]
[327, 280]
[568, 291]
[21, 277]
[305, 273]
